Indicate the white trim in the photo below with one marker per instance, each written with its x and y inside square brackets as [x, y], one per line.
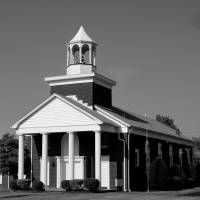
[123, 126]
[80, 78]
[60, 159]
[52, 129]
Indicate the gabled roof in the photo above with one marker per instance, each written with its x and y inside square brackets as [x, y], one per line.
[99, 119]
[81, 36]
[136, 120]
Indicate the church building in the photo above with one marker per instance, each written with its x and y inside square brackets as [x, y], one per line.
[77, 133]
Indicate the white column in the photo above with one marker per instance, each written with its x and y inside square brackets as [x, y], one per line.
[67, 57]
[70, 56]
[80, 54]
[98, 157]
[44, 158]
[90, 56]
[21, 158]
[94, 57]
[71, 155]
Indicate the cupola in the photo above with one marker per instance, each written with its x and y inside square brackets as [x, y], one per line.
[81, 54]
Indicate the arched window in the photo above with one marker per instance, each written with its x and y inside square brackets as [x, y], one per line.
[180, 157]
[159, 150]
[65, 145]
[147, 153]
[188, 155]
[170, 156]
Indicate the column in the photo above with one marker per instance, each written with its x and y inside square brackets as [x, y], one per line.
[70, 56]
[71, 155]
[67, 57]
[94, 62]
[21, 157]
[44, 158]
[98, 157]
[80, 54]
[90, 56]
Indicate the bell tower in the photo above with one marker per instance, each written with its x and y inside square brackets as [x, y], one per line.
[81, 79]
[81, 54]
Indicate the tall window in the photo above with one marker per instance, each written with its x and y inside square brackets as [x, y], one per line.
[104, 140]
[180, 157]
[159, 150]
[137, 157]
[170, 156]
[147, 153]
[188, 155]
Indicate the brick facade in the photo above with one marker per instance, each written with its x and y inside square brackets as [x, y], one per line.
[90, 93]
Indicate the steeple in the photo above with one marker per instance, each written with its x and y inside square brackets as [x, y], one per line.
[81, 54]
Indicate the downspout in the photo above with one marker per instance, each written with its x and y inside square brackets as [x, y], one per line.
[129, 132]
[124, 161]
[31, 160]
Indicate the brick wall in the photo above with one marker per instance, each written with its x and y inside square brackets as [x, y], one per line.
[90, 93]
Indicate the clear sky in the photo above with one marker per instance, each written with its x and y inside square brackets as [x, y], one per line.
[151, 48]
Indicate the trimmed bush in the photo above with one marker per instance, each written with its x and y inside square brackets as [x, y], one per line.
[198, 171]
[193, 172]
[91, 184]
[65, 185]
[38, 185]
[159, 176]
[76, 185]
[13, 185]
[23, 184]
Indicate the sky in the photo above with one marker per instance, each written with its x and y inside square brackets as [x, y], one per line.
[150, 48]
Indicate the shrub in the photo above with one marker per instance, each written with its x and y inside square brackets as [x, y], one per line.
[76, 184]
[65, 185]
[23, 184]
[193, 172]
[159, 176]
[198, 171]
[13, 185]
[91, 184]
[38, 185]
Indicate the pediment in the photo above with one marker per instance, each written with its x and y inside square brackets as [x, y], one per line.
[54, 112]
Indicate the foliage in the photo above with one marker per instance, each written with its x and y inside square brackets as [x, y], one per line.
[76, 184]
[13, 185]
[193, 171]
[91, 183]
[65, 185]
[196, 142]
[38, 185]
[159, 176]
[168, 122]
[23, 184]
[9, 156]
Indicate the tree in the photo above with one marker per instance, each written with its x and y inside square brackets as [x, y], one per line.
[196, 142]
[9, 156]
[168, 122]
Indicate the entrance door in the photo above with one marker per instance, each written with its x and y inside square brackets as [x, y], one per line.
[105, 172]
[64, 169]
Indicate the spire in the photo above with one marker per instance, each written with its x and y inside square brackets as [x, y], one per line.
[82, 36]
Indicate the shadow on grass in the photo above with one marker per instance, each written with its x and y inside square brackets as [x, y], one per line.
[193, 194]
[14, 196]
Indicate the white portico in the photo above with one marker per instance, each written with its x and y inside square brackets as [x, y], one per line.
[62, 114]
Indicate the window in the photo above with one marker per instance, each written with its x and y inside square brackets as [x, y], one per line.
[188, 155]
[136, 157]
[180, 157]
[159, 150]
[170, 156]
[104, 140]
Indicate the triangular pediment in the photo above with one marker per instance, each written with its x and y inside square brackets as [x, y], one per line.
[56, 111]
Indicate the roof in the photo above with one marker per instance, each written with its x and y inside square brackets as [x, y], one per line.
[137, 120]
[82, 36]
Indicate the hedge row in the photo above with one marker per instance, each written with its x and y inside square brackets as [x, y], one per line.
[24, 184]
[80, 184]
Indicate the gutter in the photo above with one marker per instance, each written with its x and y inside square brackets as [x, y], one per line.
[124, 161]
